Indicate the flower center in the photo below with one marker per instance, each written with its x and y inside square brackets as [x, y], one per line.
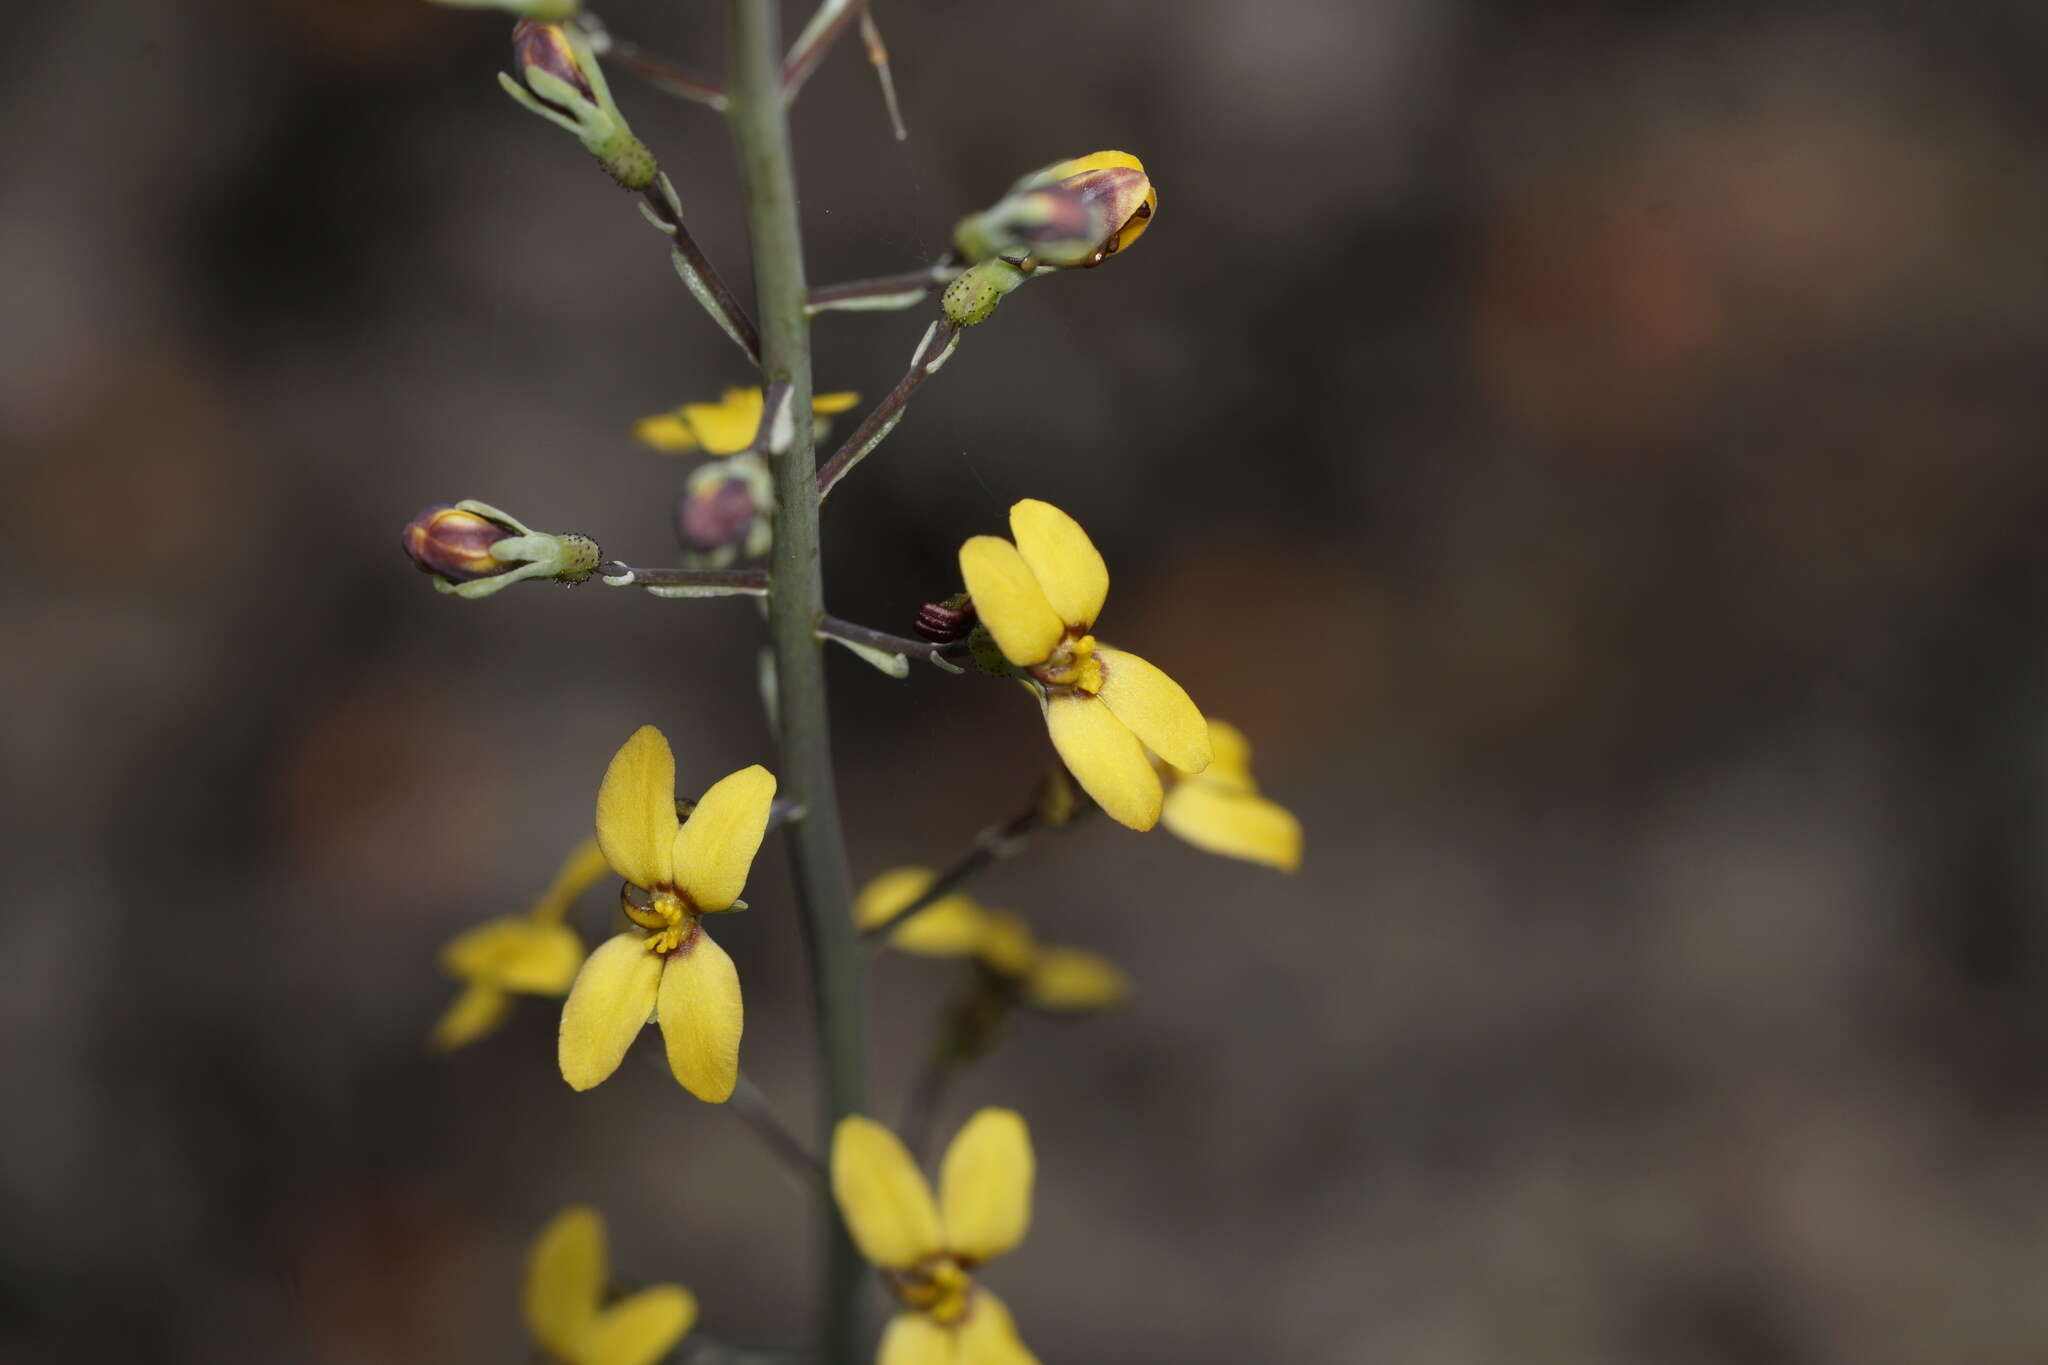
[938, 1287]
[1072, 665]
[663, 913]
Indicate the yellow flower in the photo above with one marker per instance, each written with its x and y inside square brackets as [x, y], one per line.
[1039, 599]
[728, 426]
[667, 966]
[929, 1250]
[1066, 980]
[530, 954]
[1130, 199]
[566, 1274]
[1220, 809]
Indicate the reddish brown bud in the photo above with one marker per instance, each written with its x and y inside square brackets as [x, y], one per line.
[455, 544]
[716, 515]
[947, 621]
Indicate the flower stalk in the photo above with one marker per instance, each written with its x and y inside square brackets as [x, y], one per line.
[823, 883]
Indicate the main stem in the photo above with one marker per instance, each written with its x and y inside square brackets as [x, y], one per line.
[796, 603]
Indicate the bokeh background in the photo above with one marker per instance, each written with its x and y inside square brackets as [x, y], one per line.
[1595, 449]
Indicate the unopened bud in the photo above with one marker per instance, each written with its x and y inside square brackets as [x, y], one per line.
[538, 47]
[560, 80]
[473, 550]
[1075, 213]
[944, 622]
[725, 510]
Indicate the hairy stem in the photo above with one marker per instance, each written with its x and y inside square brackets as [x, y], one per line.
[796, 603]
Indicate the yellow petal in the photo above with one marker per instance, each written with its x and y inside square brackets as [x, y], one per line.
[988, 1335]
[640, 1328]
[951, 926]
[565, 1273]
[1154, 707]
[1105, 758]
[1102, 161]
[716, 846]
[606, 1009]
[666, 432]
[475, 1011]
[636, 809]
[516, 954]
[887, 892]
[1236, 824]
[701, 1018]
[985, 1185]
[826, 404]
[914, 1339]
[1230, 757]
[885, 1201]
[1007, 944]
[584, 868]
[1072, 981]
[1065, 562]
[728, 426]
[1009, 601]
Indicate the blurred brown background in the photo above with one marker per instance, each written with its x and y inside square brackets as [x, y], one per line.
[1595, 449]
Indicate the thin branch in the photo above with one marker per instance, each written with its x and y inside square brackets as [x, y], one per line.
[664, 74]
[665, 211]
[878, 57]
[707, 582]
[815, 41]
[991, 845]
[753, 1108]
[922, 650]
[935, 350]
[882, 292]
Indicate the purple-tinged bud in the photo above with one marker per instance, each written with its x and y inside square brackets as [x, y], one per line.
[716, 515]
[546, 47]
[456, 544]
[944, 622]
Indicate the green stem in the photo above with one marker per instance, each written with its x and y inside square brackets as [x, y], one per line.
[796, 603]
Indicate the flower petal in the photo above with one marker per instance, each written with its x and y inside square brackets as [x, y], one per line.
[1105, 758]
[1065, 562]
[584, 868]
[1236, 824]
[1072, 981]
[951, 926]
[640, 1328]
[565, 1273]
[606, 1009]
[887, 892]
[728, 426]
[826, 404]
[636, 809]
[701, 1018]
[988, 1335]
[1155, 708]
[715, 847]
[1008, 600]
[985, 1185]
[1230, 757]
[667, 432]
[513, 953]
[914, 1339]
[885, 1201]
[1007, 946]
[476, 1009]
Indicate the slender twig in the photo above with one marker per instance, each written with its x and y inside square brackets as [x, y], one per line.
[878, 57]
[817, 843]
[816, 40]
[932, 352]
[923, 650]
[921, 1107]
[994, 843]
[752, 1106]
[883, 291]
[664, 74]
[706, 582]
[665, 211]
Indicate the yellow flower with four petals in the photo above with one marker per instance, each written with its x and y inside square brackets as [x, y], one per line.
[1064, 980]
[530, 954]
[728, 426]
[1219, 809]
[929, 1250]
[1039, 598]
[566, 1276]
[666, 965]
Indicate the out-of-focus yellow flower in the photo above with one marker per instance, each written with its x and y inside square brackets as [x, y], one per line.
[534, 953]
[728, 426]
[1220, 810]
[929, 1250]
[1104, 707]
[1066, 980]
[566, 1275]
[667, 966]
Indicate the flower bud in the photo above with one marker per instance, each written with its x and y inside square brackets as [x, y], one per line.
[538, 47]
[944, 622]
[473, 550]
[725, 510]
[560, 80]
[454, 544]
[1075, 213]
